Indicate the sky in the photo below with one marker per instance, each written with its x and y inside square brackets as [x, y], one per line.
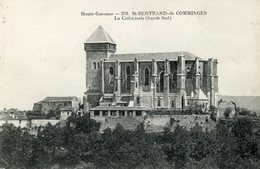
[42, 42]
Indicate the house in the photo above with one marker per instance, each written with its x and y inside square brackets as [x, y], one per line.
[68, 111]
[55, 104]
[18, 119]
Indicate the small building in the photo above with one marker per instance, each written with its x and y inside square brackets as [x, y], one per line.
[55, 104]
[18, 119]
[68, 111]
[102, 112]
[198, 100]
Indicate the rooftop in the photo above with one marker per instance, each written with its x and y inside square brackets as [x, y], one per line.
[100, 36]
[13, 116]
[200, 95]
[53, 99]
[172, 56]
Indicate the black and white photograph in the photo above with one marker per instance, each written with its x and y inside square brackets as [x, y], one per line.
[113, 84]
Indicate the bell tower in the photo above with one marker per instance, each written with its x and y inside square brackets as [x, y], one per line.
[99, 46]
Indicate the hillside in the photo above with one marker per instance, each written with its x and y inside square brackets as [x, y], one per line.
[250, 102]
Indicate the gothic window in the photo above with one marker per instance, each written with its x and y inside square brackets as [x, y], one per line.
[111, 79]
[138, 100]
[146, 77]
[97, 65]
[128, 78]
[159, 103]
[171, 83]
[162, 82]
[174, 79]
[111, 71]
[188, 76]
[94, 65]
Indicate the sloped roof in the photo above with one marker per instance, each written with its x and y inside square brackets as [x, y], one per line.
[200, 95]
[92, 91]
[53, 99]
[13, 116]
[100, 36]
[172, 56]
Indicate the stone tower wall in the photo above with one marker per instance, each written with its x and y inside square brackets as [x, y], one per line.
[94, 74]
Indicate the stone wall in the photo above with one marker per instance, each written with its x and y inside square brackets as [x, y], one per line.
[157, 123]
[47, 106]
[43, 122]
[94, 75]
[16, 123]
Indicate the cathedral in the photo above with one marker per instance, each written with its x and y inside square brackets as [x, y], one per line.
[137, 82]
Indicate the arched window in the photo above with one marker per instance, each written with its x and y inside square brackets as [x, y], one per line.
[97, 65]
[162, 82]
[159, 103]
[174, 79]
[94, 65]
[138, 100]
[111, 71]
[146, 77]
[128, 78]
[188, 75]
[111, 80]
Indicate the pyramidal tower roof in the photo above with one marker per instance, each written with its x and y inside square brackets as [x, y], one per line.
[100, 36]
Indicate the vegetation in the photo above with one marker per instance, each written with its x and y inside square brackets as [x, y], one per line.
[52, 114]
[232, 145]
[244, 112]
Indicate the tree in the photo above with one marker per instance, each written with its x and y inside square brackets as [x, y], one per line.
[243, 131]
[227, 112]
[83, 124]
[15, 147]
[122, 148]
